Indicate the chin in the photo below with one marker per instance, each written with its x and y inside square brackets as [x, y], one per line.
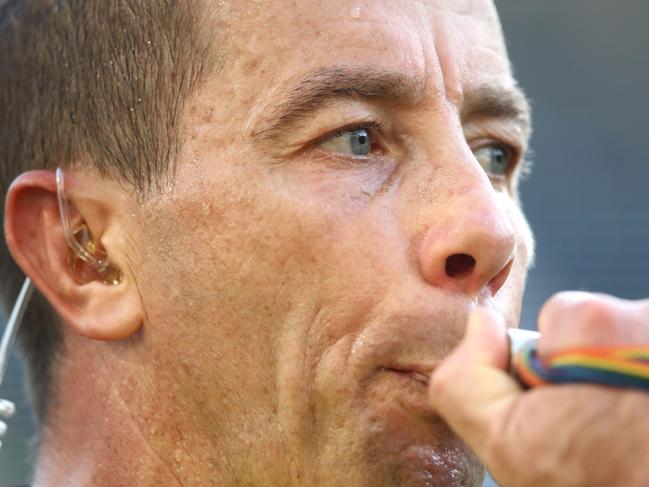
[431, 457]
[406, 444]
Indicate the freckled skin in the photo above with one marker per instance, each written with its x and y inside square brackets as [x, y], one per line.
[277, 291]
[287, 271]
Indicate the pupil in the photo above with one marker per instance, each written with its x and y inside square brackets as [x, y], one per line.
[499, 160]
[361, 143]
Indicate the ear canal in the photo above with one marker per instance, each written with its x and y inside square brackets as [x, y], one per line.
[82, 246]
[92, 263]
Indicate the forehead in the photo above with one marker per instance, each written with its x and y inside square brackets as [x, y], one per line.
[451, 44]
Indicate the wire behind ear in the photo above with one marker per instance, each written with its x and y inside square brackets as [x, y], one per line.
[81, 242]
[7, 408]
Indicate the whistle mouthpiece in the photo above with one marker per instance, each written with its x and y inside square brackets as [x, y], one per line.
[519, 338]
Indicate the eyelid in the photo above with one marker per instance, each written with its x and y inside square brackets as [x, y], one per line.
[515, 150]
[517, 154]
[481, 142]
[373, 125]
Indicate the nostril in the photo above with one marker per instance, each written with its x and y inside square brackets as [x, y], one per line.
[459, 265]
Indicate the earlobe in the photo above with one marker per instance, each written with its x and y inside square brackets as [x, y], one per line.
[96, 307]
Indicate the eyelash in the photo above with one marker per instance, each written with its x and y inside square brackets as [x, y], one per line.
[521, 161]
[375, 126]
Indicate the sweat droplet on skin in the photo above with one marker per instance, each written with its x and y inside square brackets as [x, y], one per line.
[178, 455]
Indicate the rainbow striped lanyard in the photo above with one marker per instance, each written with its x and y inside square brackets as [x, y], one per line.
[626, 367]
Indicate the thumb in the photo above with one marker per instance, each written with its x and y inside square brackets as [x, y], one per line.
[471, 389]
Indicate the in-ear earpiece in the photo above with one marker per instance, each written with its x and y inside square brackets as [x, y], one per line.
[84, 250]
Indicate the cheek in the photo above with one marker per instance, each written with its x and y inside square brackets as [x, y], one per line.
[211, 286]
[526, 244]
[509, 298]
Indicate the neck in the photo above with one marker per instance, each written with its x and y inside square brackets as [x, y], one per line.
[117, 426]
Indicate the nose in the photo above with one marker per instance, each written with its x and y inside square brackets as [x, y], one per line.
[472, 249]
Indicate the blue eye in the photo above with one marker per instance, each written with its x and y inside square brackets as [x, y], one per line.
[496, 159]
[353, 142]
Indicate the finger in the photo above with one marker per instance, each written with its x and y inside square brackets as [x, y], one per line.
[7, 408]
[3, 429]
[470, 389]
[578, 319]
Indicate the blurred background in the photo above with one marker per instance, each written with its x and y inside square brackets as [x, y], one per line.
[585, 66]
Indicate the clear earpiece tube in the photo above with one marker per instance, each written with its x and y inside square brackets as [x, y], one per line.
[80, 242]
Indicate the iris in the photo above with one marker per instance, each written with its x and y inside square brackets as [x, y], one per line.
[495, 159]
[353, 142]
[360, 142]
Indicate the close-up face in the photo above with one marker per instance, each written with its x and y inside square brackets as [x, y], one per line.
[345, 196]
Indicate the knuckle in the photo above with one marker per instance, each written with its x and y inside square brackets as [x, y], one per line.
[585, 319]
[555, 308]
[595, 312]
[578, 310]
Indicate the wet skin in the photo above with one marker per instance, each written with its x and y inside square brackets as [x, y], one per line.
[298, 291]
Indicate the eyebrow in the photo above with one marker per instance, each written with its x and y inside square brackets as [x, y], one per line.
[328, 85]
[495, 102]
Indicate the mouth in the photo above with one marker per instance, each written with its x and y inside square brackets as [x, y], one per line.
[408, 386]
[402, 392]
[419, 372]
[413, 373]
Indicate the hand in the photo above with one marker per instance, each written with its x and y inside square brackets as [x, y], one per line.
[570, 435]
[7, 409]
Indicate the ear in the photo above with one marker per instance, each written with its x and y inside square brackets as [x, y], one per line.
[34, 233]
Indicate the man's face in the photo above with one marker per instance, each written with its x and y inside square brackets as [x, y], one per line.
[345, 197]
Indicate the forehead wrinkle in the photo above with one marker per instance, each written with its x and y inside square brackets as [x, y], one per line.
[330, 84]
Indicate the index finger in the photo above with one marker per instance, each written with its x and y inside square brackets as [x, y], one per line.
[471, 389]
[578, 319]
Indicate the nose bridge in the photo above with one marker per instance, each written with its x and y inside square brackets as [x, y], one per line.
[468, 242]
